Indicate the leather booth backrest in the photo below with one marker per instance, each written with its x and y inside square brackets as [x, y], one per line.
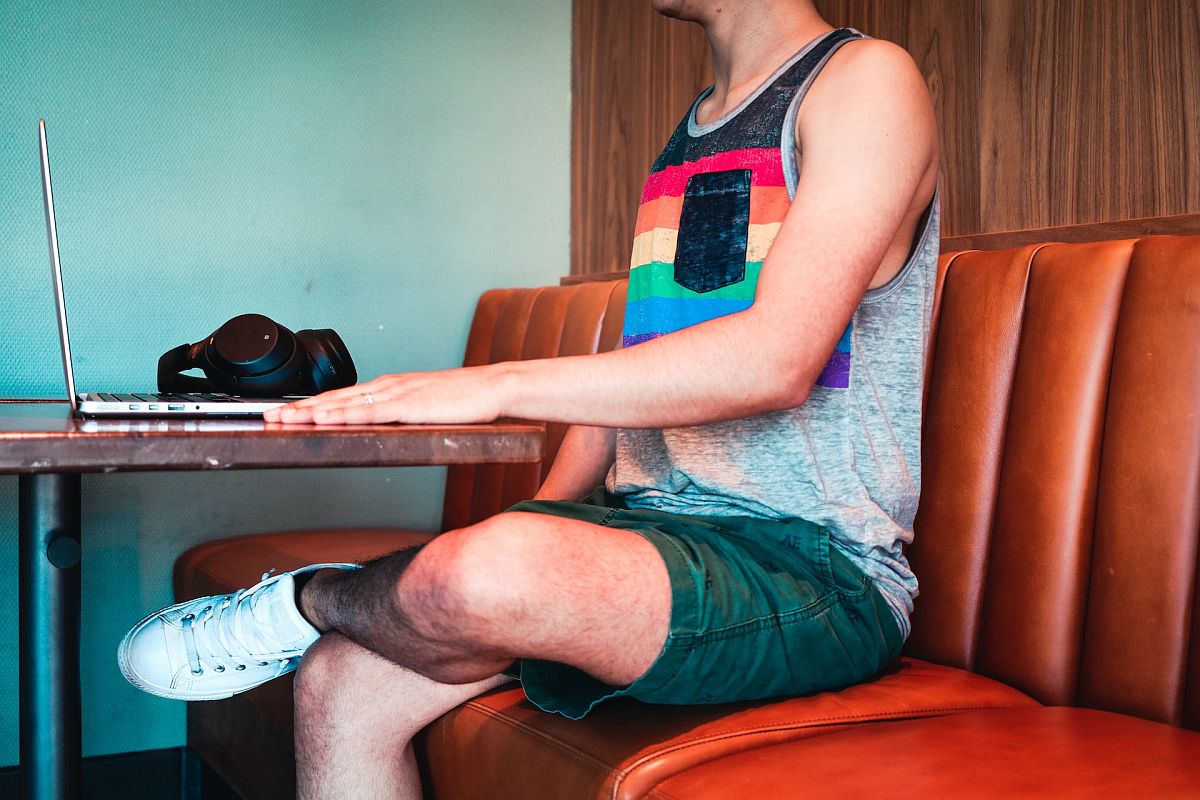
[516, 324]
[1056, 539]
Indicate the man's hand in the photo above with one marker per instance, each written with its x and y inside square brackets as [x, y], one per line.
[473, 394]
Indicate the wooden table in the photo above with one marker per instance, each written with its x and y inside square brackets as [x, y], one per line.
[48, 449]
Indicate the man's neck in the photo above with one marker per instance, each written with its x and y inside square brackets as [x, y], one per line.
[750, 39]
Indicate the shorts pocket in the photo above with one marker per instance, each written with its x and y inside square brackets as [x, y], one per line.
[842, 576]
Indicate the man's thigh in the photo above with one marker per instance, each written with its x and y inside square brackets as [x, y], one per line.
[757, 608]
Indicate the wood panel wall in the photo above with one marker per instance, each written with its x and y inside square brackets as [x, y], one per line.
[1052, 112]
[1095, 104]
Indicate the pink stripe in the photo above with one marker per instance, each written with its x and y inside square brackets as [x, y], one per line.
[764, 161]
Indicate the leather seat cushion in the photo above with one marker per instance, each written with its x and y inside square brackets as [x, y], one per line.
[1046, 752]
[624, 748]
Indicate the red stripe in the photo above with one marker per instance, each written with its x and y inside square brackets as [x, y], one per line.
[765, 162]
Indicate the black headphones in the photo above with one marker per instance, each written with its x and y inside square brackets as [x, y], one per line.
[252, 355]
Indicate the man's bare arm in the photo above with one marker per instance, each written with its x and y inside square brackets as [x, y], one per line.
[582, 463]
[870, 150]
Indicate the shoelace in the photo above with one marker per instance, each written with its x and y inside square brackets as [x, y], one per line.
[221, 631]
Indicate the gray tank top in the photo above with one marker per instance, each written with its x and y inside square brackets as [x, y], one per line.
[849, 458]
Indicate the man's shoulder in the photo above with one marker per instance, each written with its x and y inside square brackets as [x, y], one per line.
[868, 80]
[868, 64]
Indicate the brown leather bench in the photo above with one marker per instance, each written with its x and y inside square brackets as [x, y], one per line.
[1056, 548]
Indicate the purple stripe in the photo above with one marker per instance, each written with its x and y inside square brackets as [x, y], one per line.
[638, 338]
[836, 374]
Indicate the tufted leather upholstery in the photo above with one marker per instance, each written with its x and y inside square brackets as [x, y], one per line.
[1056, 547]
[1060, 753]
[1057, 533]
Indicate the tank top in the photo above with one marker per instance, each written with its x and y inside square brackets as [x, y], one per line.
[848, 459]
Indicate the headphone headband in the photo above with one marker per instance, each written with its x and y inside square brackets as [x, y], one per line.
[175, 361]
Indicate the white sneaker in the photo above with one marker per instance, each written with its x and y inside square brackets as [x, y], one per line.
[215, 647]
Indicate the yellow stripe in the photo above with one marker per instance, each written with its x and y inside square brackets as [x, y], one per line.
[760, 239]
[658, 244]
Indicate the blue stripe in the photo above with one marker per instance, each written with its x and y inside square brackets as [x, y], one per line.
[668, 314]
[843, 345]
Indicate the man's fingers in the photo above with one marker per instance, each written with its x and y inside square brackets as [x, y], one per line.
[347, 415]
[363, 404]
[309, 413]
[299, 413]
[301, 410]
[288, 414]
[352, 411]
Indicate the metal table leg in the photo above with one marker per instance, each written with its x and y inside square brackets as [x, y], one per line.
[51, 749]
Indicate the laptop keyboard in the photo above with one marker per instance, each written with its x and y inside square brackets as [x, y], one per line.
[110, 397]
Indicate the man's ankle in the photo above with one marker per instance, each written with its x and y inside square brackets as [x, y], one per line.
[308, 584]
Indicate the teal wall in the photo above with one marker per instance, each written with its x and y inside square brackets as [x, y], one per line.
[367, 166]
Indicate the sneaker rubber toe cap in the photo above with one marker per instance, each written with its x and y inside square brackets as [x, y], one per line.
[145, 657]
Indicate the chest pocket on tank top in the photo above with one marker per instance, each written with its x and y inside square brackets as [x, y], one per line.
[714, 223]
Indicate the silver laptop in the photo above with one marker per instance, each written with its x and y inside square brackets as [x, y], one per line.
[129, 404]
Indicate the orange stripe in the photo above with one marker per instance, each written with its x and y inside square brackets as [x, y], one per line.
[767, 204]
[662, 212]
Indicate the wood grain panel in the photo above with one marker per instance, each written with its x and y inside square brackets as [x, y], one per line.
[1178, 225]
[883, 19]
[1090, 111]
[943, 38]
[634, 75]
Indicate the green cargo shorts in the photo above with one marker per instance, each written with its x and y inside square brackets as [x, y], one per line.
[759, 609]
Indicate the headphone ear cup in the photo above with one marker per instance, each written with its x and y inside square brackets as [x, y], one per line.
[288, 378]
[253, 355]
[250, 345]
[329, 364]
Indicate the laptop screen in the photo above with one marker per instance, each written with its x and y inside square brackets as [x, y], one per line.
[60, 304]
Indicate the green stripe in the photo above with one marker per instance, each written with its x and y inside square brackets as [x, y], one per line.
[657, 279]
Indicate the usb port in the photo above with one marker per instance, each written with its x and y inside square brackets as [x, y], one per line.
[153, 406]
[134, 407]
[175, 407]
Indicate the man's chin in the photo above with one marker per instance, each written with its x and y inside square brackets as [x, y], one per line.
[673, 9]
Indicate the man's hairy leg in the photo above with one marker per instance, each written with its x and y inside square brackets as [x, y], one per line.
[518, 585]
[422, 631]
[356, 715]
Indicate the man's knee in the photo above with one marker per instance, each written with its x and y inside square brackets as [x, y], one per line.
[327, 673]
[476, 580]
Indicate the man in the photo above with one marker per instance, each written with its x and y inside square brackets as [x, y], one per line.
[758, 436]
